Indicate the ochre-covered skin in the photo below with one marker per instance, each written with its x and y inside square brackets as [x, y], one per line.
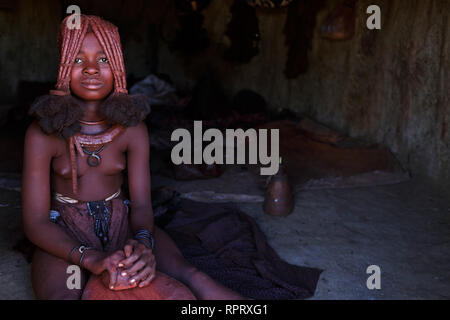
[91, 72]
[162, 287]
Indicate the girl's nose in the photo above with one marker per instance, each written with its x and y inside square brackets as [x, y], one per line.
[90, 70]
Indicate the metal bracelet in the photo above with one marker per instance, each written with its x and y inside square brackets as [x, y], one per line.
[146, 242]
[82, 249]
[144, 234]
[71, 252]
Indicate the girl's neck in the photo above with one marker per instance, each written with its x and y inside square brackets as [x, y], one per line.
[91, 110]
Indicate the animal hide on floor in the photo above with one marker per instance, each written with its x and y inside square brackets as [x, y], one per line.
[228, 245]
[312, 152]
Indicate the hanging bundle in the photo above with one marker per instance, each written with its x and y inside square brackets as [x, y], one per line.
[191, 38]
[188, 6]
[299, 27]
[269, 3]
[243, 31]
[340, 24]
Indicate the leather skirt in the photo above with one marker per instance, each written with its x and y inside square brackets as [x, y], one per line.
[101, 224]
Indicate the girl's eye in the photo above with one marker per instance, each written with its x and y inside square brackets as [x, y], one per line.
[78, 60]
[104, 60]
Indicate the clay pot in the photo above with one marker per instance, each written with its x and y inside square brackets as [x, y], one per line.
[279, 199]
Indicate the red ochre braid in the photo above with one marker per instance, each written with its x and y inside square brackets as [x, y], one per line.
[70, 41]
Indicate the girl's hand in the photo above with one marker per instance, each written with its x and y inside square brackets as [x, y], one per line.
[97, 262]
[139, 264]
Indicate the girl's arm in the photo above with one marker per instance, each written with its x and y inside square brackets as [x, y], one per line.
[38, 154]
[138, 165]
[39, 150]
[140, 262]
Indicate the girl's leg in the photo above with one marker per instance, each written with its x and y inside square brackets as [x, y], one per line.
[49, 278]
[170, 261]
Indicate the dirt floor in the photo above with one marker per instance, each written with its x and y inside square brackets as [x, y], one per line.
[403, 228]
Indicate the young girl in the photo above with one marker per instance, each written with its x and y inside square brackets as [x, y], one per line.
[86, 133]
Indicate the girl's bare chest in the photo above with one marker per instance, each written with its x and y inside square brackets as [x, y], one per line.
[110, 160]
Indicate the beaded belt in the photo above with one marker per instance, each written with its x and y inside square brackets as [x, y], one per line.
[59, 197]
[98, 210]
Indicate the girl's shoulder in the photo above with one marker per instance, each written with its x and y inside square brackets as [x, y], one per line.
[36, 138]
[136, 136]
[35, 132]
[138, 131]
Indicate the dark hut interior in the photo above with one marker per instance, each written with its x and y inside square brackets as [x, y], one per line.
[362, 116]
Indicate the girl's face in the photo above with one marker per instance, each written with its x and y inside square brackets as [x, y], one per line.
[91, 78]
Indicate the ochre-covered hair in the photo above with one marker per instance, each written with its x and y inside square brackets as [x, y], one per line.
[58, 112]
[70, 40]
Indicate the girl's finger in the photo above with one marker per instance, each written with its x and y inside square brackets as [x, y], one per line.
[112, 277]
[143, 274]
[135, 255]
[128, 249]
[147, 281]
[117, 257]
[135, 268]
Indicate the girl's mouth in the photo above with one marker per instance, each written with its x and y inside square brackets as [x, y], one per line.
[92, 84]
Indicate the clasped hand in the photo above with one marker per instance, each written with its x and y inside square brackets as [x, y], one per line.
[133, 266]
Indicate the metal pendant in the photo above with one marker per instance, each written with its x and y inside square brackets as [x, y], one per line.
[94, 160]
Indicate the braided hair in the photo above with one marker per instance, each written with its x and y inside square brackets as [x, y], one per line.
[58, 111]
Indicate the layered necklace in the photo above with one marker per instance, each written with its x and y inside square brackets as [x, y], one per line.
[94, 158]
[80, 141]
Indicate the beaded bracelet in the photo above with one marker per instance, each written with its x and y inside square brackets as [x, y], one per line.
[144, 234]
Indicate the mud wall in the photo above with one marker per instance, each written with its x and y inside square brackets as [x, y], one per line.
[388, 86]
[27, 46]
